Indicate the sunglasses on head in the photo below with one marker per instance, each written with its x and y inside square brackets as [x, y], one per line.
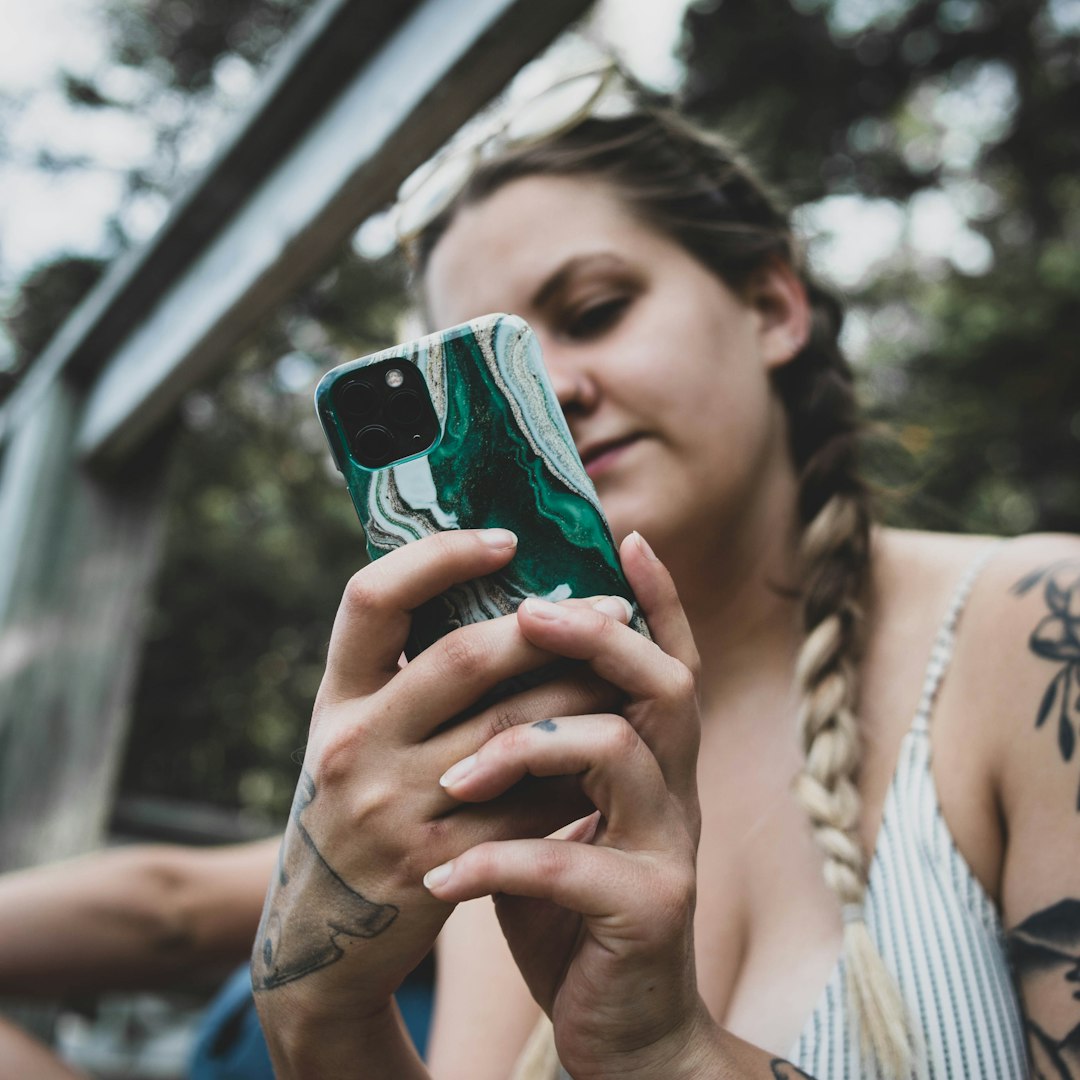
[603, 92]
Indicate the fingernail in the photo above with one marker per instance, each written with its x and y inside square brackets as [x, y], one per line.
[458, 772]
[542, 609]
[616, 606]
[644, 547]
[498, 538]
[439, 876]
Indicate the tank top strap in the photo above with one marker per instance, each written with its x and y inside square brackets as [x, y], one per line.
[945, 641]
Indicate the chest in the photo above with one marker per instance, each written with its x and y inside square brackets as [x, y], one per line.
[768, 928]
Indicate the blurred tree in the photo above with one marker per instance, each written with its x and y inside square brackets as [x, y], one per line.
[972, 359]
[969, 354]
[261, 540]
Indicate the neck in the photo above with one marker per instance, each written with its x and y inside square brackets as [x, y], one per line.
[738, 592]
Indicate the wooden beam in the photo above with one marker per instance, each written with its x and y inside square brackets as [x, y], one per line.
[446, 60]
[314, 66]
[83, 550]
[438, 66]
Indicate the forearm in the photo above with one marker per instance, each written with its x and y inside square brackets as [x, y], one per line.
[705, 1051]
[130, 917]
[23, 1055]
[336, 1047]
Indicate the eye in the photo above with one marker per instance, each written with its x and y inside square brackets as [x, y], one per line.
[593, 319]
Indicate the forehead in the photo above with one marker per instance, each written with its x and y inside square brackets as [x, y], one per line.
[498, 253]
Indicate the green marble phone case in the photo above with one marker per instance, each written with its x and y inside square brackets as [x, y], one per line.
[504, 457]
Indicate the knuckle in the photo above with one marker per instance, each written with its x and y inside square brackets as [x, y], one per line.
[445, 544]
[683, 682]
[340, 752]
[620, 737]
[360, 595]
[550, 862]
[506, 717]
[464, 654]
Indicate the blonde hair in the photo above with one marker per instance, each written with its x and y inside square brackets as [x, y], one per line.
[693, 188]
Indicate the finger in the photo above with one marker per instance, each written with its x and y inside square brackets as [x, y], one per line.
[373, 619]
[615, 652]
[461, 669]
[597, 882]
[573, 694]
[615, 768]
[655, 592]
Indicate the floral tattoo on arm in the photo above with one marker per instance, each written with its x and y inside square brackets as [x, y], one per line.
[1057, 639]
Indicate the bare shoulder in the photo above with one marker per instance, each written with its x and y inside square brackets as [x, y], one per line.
[1018, 663]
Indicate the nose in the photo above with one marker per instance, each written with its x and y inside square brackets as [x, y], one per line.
[574, 386]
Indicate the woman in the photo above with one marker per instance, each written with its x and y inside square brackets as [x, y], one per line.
[683, 926]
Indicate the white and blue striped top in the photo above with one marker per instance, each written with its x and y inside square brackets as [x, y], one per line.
[936, 928]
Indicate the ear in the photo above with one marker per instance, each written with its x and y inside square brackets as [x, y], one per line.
[778, 295]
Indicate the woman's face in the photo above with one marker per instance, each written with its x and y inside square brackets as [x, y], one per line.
[661, 370]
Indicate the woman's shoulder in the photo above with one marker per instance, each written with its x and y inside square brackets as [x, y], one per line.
[926, 568]
[1017, 643]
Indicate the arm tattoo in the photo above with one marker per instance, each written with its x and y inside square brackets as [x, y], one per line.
[546, 725]
[309, 908]
[1045, 947]
[1057, 639]
[784, 1070]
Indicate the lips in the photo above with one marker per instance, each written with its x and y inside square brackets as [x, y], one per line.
[597, 456]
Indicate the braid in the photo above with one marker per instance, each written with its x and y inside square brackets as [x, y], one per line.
[834, 507]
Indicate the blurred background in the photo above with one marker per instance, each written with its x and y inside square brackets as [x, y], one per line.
[932, 149]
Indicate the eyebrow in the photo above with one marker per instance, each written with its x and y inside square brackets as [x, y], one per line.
[558, 281]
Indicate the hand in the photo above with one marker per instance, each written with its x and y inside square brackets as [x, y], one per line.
[600, 921]
[347, 916]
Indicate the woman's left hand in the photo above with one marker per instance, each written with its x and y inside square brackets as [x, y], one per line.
[600, 921]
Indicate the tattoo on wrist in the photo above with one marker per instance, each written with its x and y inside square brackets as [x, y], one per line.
[784, 1070]
[546, 725]
[310, 912]
[1045, 950]
[1057, 639]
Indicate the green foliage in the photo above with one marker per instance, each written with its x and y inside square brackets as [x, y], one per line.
[969, 369]
[46, 297]
[973, 371]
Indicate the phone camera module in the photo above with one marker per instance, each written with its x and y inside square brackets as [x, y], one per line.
[359, 400]
[375, 446]
[405, 407]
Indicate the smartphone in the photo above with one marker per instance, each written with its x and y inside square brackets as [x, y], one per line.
[462, 430]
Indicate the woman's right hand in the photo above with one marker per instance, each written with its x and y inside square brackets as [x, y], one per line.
[347, 916]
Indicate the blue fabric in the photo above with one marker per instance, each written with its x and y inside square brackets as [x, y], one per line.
[230, 1044]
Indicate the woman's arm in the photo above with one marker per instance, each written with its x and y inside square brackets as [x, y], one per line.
[347, 915]
[132, 917]
[1033, 703]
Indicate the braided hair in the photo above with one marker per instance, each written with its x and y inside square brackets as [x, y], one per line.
[695, 189]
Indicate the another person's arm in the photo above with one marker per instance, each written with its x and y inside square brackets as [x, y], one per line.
[131, 917]
[22, 1055]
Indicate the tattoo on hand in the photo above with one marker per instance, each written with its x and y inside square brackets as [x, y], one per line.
[1057, 639]
[297, 938]
[784, 1070]
[1045, 950]
[546, 725]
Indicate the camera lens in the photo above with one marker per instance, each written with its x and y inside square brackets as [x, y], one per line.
[359, 399]
[404, 407]
[374, 445]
